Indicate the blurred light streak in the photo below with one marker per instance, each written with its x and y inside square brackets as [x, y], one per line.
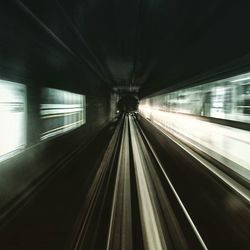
[61, 111]
[222, 99]
[241, 79]
[12, 118]
[228, 145]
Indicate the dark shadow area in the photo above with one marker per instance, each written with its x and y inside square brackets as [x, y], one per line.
[128, 103]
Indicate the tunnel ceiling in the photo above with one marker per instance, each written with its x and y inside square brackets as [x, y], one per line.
[93, 44]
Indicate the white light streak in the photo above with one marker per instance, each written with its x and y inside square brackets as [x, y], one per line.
[61, 111]
[241, 79]
[13, 118]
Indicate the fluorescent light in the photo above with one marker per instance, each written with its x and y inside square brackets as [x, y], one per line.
[242, 79]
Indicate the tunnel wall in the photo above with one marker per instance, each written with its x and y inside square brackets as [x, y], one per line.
[38, 52]
[23, 174]
[212, 118]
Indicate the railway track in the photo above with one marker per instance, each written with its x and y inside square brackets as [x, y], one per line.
[143, 192]
[130, 168]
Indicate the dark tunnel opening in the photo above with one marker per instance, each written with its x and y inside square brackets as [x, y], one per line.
[128, 103]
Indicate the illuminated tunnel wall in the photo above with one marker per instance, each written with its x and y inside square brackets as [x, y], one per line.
[50, 112]
[60, 112]
[181, 113]
[225, 99]
[40, 126]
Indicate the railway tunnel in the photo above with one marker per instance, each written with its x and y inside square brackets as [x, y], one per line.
[124, 124]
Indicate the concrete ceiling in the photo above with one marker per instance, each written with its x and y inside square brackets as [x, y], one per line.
[101, 44]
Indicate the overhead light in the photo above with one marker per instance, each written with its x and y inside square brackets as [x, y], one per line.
[241, 79]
